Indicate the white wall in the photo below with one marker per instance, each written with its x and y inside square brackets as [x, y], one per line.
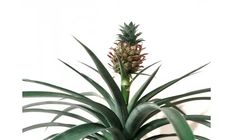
[182, 34]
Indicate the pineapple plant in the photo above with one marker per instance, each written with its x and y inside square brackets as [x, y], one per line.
[128, 54]
[120, 118]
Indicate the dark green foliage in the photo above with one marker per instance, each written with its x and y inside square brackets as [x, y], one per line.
[121, 119]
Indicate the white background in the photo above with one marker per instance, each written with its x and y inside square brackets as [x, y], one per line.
[183, 34]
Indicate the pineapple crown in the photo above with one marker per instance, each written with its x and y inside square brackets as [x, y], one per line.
[129, 34]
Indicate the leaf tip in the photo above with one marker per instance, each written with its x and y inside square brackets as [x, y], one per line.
[26, 80]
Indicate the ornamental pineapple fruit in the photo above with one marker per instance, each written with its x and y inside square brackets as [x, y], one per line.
[128, 49]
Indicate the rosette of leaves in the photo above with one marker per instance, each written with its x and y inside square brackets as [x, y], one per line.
[120, 118]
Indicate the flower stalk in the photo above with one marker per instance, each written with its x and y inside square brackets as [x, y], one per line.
[125, 88]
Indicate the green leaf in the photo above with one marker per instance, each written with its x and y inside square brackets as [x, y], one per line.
[90, 138]
[90, 111]
[120, 103]
[141, 90]
[150, 126]
[107, 135]
[175, 107]
[168, 99]
[90, 93]
[142, 112]
[173, 135]
[179, 123]
[157, 123]
[108, 114]
[87, 94]
[48, 102]
[58, 112]
[154, 92]
[137, 117]
[89, 67]
[72, 93]
[46, 125]
[79, 132]
[144, 74]
[206, 123]
[70, 108]
[141, 72]
[201, 137]
[102, 91]
[59, 115]
[190, 99]
[97, 136]
[96, 114]
[116, 134]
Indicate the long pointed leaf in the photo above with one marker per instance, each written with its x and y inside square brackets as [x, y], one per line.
[145, 129]
[79, 132]
[58, 112]
[87, 94]
[46, 125]
[141, 90]
[96, 114]
[120, 103]
[55, 87]
[59, 115]
[144, 74]
[89, 66]
[173, 135]
[176, 107]
[139, 115]
[102, 91]
[116, 134]
[179, 123]
[140, 72]
[168, 104]
[98, 136]
[49, 102]
[70, 108]
[168, 99]
[109, 115]
[190, 99]
[90, 93]
[90, 138]
[154, 92]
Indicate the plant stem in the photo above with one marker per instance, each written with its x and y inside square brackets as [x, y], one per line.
[125, 87]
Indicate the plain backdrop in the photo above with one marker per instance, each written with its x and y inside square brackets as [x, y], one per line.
[182, 34]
